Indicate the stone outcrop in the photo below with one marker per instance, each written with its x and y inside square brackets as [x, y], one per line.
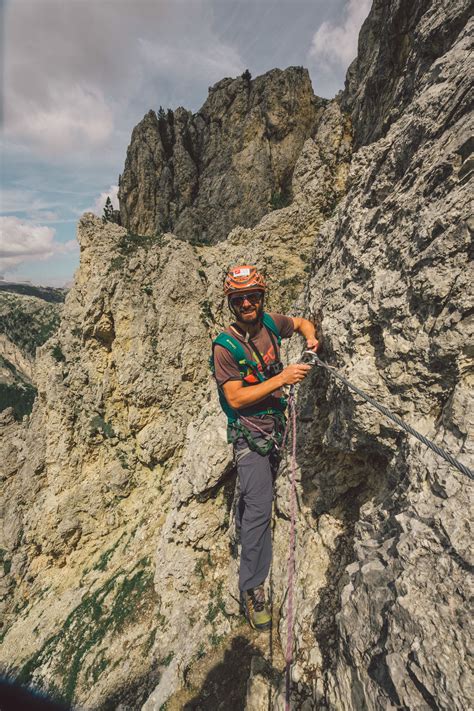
[200, 175]
[386, 75]
[118, 542]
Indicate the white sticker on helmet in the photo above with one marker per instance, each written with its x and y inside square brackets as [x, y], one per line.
[242, 272]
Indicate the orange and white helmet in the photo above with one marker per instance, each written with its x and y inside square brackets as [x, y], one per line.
[243, 278]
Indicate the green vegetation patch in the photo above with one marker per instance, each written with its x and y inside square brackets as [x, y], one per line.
[4, 363]
[130, 244]
[5, 562]
[280, 199]
[100, 426]
[166, 661]
[217, 604]
[201, 565]
[205, 313]
[27, 323]
[122, 601]
[45, 293]
[105, 557]
[57, 353]
[200, 240]
[20, 396]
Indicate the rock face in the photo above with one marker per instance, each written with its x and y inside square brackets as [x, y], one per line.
[200, 175]
[397, 301]
[118, 540]
[386, 75]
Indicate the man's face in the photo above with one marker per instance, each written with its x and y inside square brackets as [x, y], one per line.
[247, 307]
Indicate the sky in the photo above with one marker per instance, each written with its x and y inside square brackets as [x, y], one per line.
[78, 75]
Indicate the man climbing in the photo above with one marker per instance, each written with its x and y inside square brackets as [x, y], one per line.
[250, 378]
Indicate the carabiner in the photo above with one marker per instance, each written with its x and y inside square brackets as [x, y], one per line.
[309, 357]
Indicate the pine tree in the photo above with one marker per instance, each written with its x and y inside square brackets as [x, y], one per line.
[161, 114]
[108, 215]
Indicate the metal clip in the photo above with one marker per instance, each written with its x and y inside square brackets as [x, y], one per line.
[309, 357]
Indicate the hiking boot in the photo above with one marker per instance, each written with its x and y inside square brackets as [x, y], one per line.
[255, 609]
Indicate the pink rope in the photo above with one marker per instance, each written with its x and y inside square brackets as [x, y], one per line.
[253, 424]
[291, 554]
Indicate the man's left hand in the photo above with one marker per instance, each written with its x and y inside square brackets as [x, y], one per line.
[312, 344]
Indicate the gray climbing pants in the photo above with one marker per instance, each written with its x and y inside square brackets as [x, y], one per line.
[253, 514]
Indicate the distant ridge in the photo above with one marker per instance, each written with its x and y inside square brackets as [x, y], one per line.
[47, 293]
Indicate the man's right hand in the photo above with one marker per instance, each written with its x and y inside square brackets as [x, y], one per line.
[295, 373]
[238, 396]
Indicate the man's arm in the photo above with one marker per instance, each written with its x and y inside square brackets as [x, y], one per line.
[239, 395]
[308, 330]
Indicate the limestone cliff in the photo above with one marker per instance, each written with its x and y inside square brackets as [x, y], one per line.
[393, 279]
[199, 175]
[119, 552]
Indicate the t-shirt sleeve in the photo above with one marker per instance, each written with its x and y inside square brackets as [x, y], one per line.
[225, 366]
[284, 324]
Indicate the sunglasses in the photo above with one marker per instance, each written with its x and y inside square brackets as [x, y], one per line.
[253, 298]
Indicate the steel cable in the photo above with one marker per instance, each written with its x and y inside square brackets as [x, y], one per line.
[385, 411]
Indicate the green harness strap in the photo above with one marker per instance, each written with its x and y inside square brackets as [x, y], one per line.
[235, 428]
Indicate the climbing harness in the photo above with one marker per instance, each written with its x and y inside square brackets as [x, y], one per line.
[273, 440]
[315, 360]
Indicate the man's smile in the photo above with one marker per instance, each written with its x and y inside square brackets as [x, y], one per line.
[248, 313]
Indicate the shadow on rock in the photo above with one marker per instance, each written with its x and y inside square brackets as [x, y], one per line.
[336, 484]
[132, 695]
[225, 686]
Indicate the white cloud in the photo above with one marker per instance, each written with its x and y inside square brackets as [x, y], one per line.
[30, 205]
[46, 216]
[22, 242]
[335, 45]
[71, 118]
[17, 200]
[78, 75]
[210, 61]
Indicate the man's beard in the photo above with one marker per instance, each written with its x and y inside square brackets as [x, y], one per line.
[238, 314]
[258, 316]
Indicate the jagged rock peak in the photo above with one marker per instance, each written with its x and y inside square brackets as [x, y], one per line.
[200, 175]
[386, 75]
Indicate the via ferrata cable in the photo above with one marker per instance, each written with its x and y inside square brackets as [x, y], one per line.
[315, 360]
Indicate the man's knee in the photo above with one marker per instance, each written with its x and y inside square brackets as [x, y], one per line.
[257, 512]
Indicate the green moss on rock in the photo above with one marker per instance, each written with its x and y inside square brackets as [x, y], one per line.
[122, 601]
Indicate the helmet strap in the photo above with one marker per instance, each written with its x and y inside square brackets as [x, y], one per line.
[231, 308]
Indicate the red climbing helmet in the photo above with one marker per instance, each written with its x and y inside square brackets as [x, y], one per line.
[243, 278]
